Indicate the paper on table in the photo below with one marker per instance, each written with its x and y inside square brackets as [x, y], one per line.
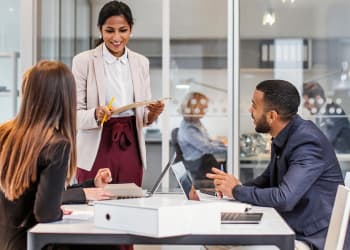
[135, 105]
[79, 215]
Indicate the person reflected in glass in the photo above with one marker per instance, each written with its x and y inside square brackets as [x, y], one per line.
[329, 116]
[197, 147]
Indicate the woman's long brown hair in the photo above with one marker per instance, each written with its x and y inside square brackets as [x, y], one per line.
[48, 107]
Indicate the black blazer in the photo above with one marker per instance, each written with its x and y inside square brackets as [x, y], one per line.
[41, 202]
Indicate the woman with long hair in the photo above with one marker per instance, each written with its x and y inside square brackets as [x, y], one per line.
[37, 152]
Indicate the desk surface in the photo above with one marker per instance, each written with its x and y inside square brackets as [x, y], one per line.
[272, 230]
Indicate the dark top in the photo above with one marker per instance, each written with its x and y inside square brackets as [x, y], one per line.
[300, 181]
[75, 193]
[41, 202]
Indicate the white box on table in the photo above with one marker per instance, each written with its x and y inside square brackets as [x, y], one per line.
[157, 216]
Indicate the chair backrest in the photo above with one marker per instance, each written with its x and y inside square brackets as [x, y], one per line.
[179, 156]
[347, 179]
[339, 220]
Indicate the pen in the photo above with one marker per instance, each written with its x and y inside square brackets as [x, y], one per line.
[109, 107]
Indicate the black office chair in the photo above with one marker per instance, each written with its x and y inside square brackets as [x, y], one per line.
[175, 144]
[197, 168]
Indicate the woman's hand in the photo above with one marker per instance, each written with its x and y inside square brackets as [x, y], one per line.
[96, 194]
[66, 211]
[102, 111]
[103, 177]
[155, 109]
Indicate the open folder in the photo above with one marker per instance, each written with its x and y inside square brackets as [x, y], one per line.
[136, 105]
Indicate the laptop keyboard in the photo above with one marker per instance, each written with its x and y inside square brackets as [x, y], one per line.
[226, 216]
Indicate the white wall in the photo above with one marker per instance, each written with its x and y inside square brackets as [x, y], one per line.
[189, 18]
[310, 19]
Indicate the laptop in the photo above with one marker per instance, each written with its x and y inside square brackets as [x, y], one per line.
[184, 179]
[160, 178]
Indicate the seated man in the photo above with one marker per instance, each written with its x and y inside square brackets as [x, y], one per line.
[196, 146]
[330, 117]
[302, 177]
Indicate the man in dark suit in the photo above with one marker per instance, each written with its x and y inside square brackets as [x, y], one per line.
[330, 117]
[302, 177]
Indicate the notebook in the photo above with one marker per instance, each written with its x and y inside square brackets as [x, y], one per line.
[131, 190]
[184, 179]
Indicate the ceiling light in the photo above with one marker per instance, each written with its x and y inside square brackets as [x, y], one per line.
[269, 17]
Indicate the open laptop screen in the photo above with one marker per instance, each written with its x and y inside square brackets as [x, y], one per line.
[159, 180]
[185, 181]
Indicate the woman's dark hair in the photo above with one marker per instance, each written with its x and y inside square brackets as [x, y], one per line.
[281, 96]
[114, 8]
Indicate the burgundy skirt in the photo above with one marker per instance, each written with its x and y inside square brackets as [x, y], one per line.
[119, 151]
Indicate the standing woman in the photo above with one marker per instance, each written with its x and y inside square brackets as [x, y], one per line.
[37, 153]
[113, 70]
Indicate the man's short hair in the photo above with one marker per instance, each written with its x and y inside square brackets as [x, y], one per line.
[281, 96]
[313, 89]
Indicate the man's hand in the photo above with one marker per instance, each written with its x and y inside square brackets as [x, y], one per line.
[96, 194]
[224, 183]
[103, 177]
[155, 109]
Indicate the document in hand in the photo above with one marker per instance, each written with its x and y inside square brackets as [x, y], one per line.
[125, 190]
[136, 105]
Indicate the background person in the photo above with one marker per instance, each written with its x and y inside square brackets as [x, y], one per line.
[193, 138]
[330, 117]
[113, 70]
[301, 180]
[37, 153]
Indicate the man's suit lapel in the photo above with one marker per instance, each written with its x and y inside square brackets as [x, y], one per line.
[100, 74]
[273, 167]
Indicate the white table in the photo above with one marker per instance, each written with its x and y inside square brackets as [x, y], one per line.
[272, 230]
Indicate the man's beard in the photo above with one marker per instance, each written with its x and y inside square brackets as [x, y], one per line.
[262, 126]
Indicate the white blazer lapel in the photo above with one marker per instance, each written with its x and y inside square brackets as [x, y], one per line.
[135, 76]
[100, 75]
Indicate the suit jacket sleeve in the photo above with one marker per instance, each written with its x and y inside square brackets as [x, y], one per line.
[80, 70]
[47, 207]
[305, 163]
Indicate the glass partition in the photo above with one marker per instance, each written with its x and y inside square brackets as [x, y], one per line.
[302, 42]
[9, 58]
[198, 85]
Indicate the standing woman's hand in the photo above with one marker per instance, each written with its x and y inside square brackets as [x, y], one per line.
[100, 112]
[155, 109]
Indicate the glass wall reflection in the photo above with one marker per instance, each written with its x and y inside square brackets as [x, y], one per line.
[306, 43]
[198, 85]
